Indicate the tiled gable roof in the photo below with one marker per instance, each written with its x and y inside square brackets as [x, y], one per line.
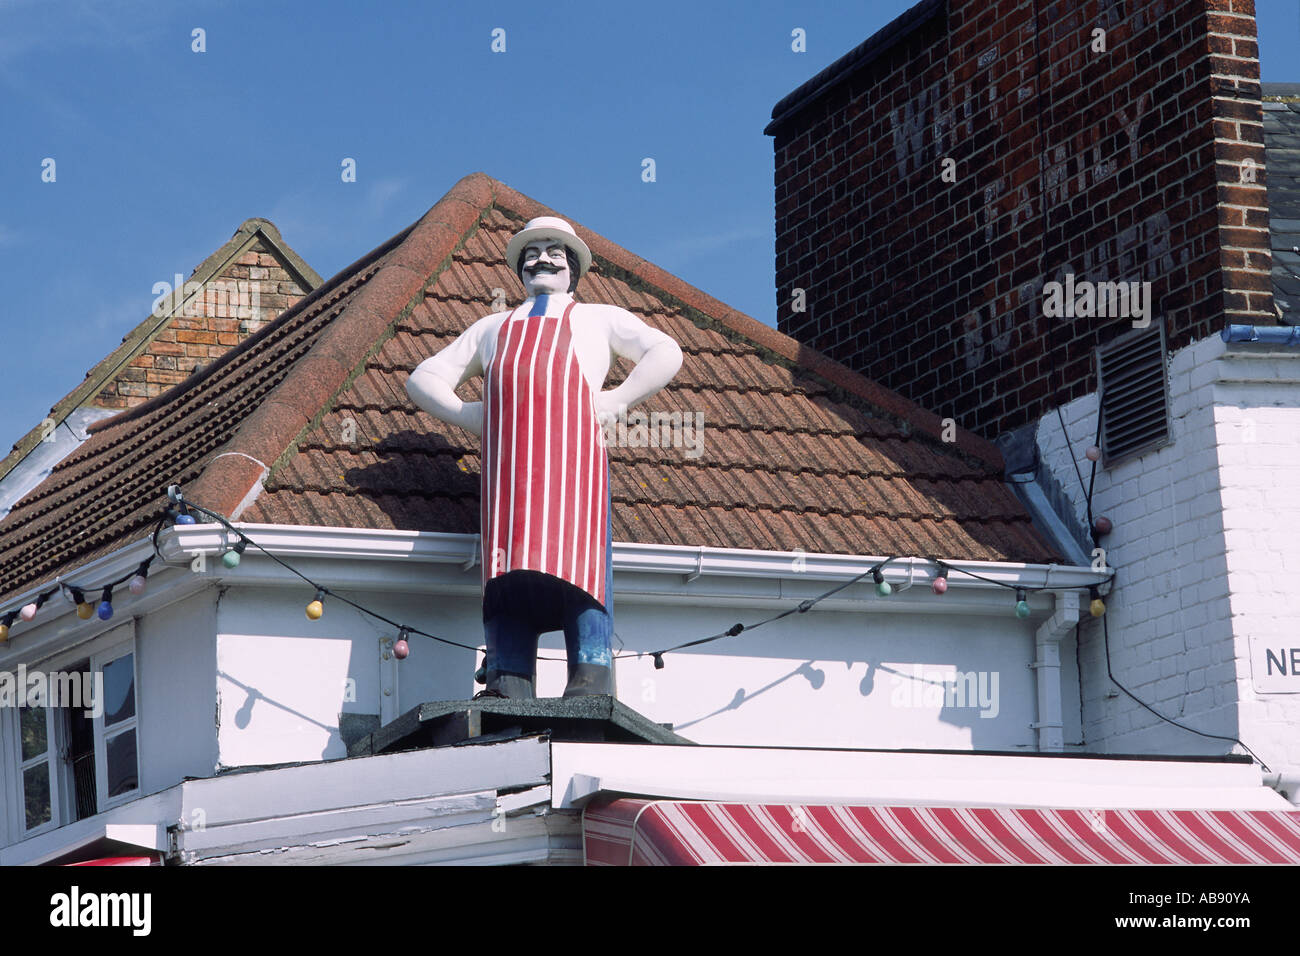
[798, 452]
[101, 384]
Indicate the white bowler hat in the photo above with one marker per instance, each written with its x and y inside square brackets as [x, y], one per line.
[548, 227]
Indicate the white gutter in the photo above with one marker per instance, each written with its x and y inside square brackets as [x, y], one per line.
[688, 562]
[379, 560]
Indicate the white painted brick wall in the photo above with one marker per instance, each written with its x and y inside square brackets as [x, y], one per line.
[1206, 549]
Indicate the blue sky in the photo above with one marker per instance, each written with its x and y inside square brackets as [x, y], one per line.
[162, 152]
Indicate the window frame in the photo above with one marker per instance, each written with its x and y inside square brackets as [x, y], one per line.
[53, 758]
[103, 734]
[105, 647]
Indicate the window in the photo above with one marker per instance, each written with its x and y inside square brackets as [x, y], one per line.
[115, 750]
[77, 740]
[36, 754]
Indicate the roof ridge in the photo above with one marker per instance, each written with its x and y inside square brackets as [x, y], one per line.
[230, 480]
[694, 301]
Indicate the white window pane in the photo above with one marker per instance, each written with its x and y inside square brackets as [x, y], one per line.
[121, 763]
[34, 738]
[119, 689]
[36, 794]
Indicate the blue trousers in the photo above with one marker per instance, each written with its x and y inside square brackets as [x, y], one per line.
[520, 606]
[528, 604]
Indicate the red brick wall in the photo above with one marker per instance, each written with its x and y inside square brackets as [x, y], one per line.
[935, 288]
[233, 305]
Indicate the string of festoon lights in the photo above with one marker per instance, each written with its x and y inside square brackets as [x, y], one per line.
[181, 513]
[135, 582]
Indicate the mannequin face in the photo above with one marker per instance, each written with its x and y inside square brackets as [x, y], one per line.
[545, 267]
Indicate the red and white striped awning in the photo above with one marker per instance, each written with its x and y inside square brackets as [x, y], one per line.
[632, 831]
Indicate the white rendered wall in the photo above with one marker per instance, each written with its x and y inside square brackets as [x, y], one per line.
[1189, 594]
[829, 678]
[835, 678]
[176, 666]
[1257, 423]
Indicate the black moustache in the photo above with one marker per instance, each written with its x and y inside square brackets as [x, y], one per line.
[540, 267]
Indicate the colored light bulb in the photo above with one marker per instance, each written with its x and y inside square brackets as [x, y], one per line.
[1096, 607]
[85, 611]
[28, 612]
[137, 584]
[939, 585]
[105, 610]
[317, 607]
[1022, 606]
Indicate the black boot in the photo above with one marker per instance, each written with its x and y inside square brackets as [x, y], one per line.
[513, 686]
[589, 680]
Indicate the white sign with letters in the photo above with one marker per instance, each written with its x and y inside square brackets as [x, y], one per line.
[1275, 664]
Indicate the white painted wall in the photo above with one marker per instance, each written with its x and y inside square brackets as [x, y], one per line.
[1206, 543]
[176, 664]
[830, 678]
[1257, 425]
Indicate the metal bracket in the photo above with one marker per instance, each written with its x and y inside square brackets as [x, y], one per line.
[473, 554]
[699, 568]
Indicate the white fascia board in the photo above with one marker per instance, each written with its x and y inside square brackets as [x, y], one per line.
[440, 803]
[339, 826]
[796, 775]
[358, 824]
[141, 822]
[366, 781]
[554, 838]
[650, 569]
[449, 794]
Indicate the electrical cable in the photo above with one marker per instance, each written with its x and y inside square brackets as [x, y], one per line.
[1111, 675]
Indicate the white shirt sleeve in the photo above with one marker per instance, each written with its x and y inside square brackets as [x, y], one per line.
[656, 355]
[432, 386]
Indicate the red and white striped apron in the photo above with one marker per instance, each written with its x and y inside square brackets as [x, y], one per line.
[544, 485]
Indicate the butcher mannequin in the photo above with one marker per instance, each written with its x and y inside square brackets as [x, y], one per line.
[544, 490]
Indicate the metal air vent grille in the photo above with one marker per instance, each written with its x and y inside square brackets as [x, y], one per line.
[1133, 375]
